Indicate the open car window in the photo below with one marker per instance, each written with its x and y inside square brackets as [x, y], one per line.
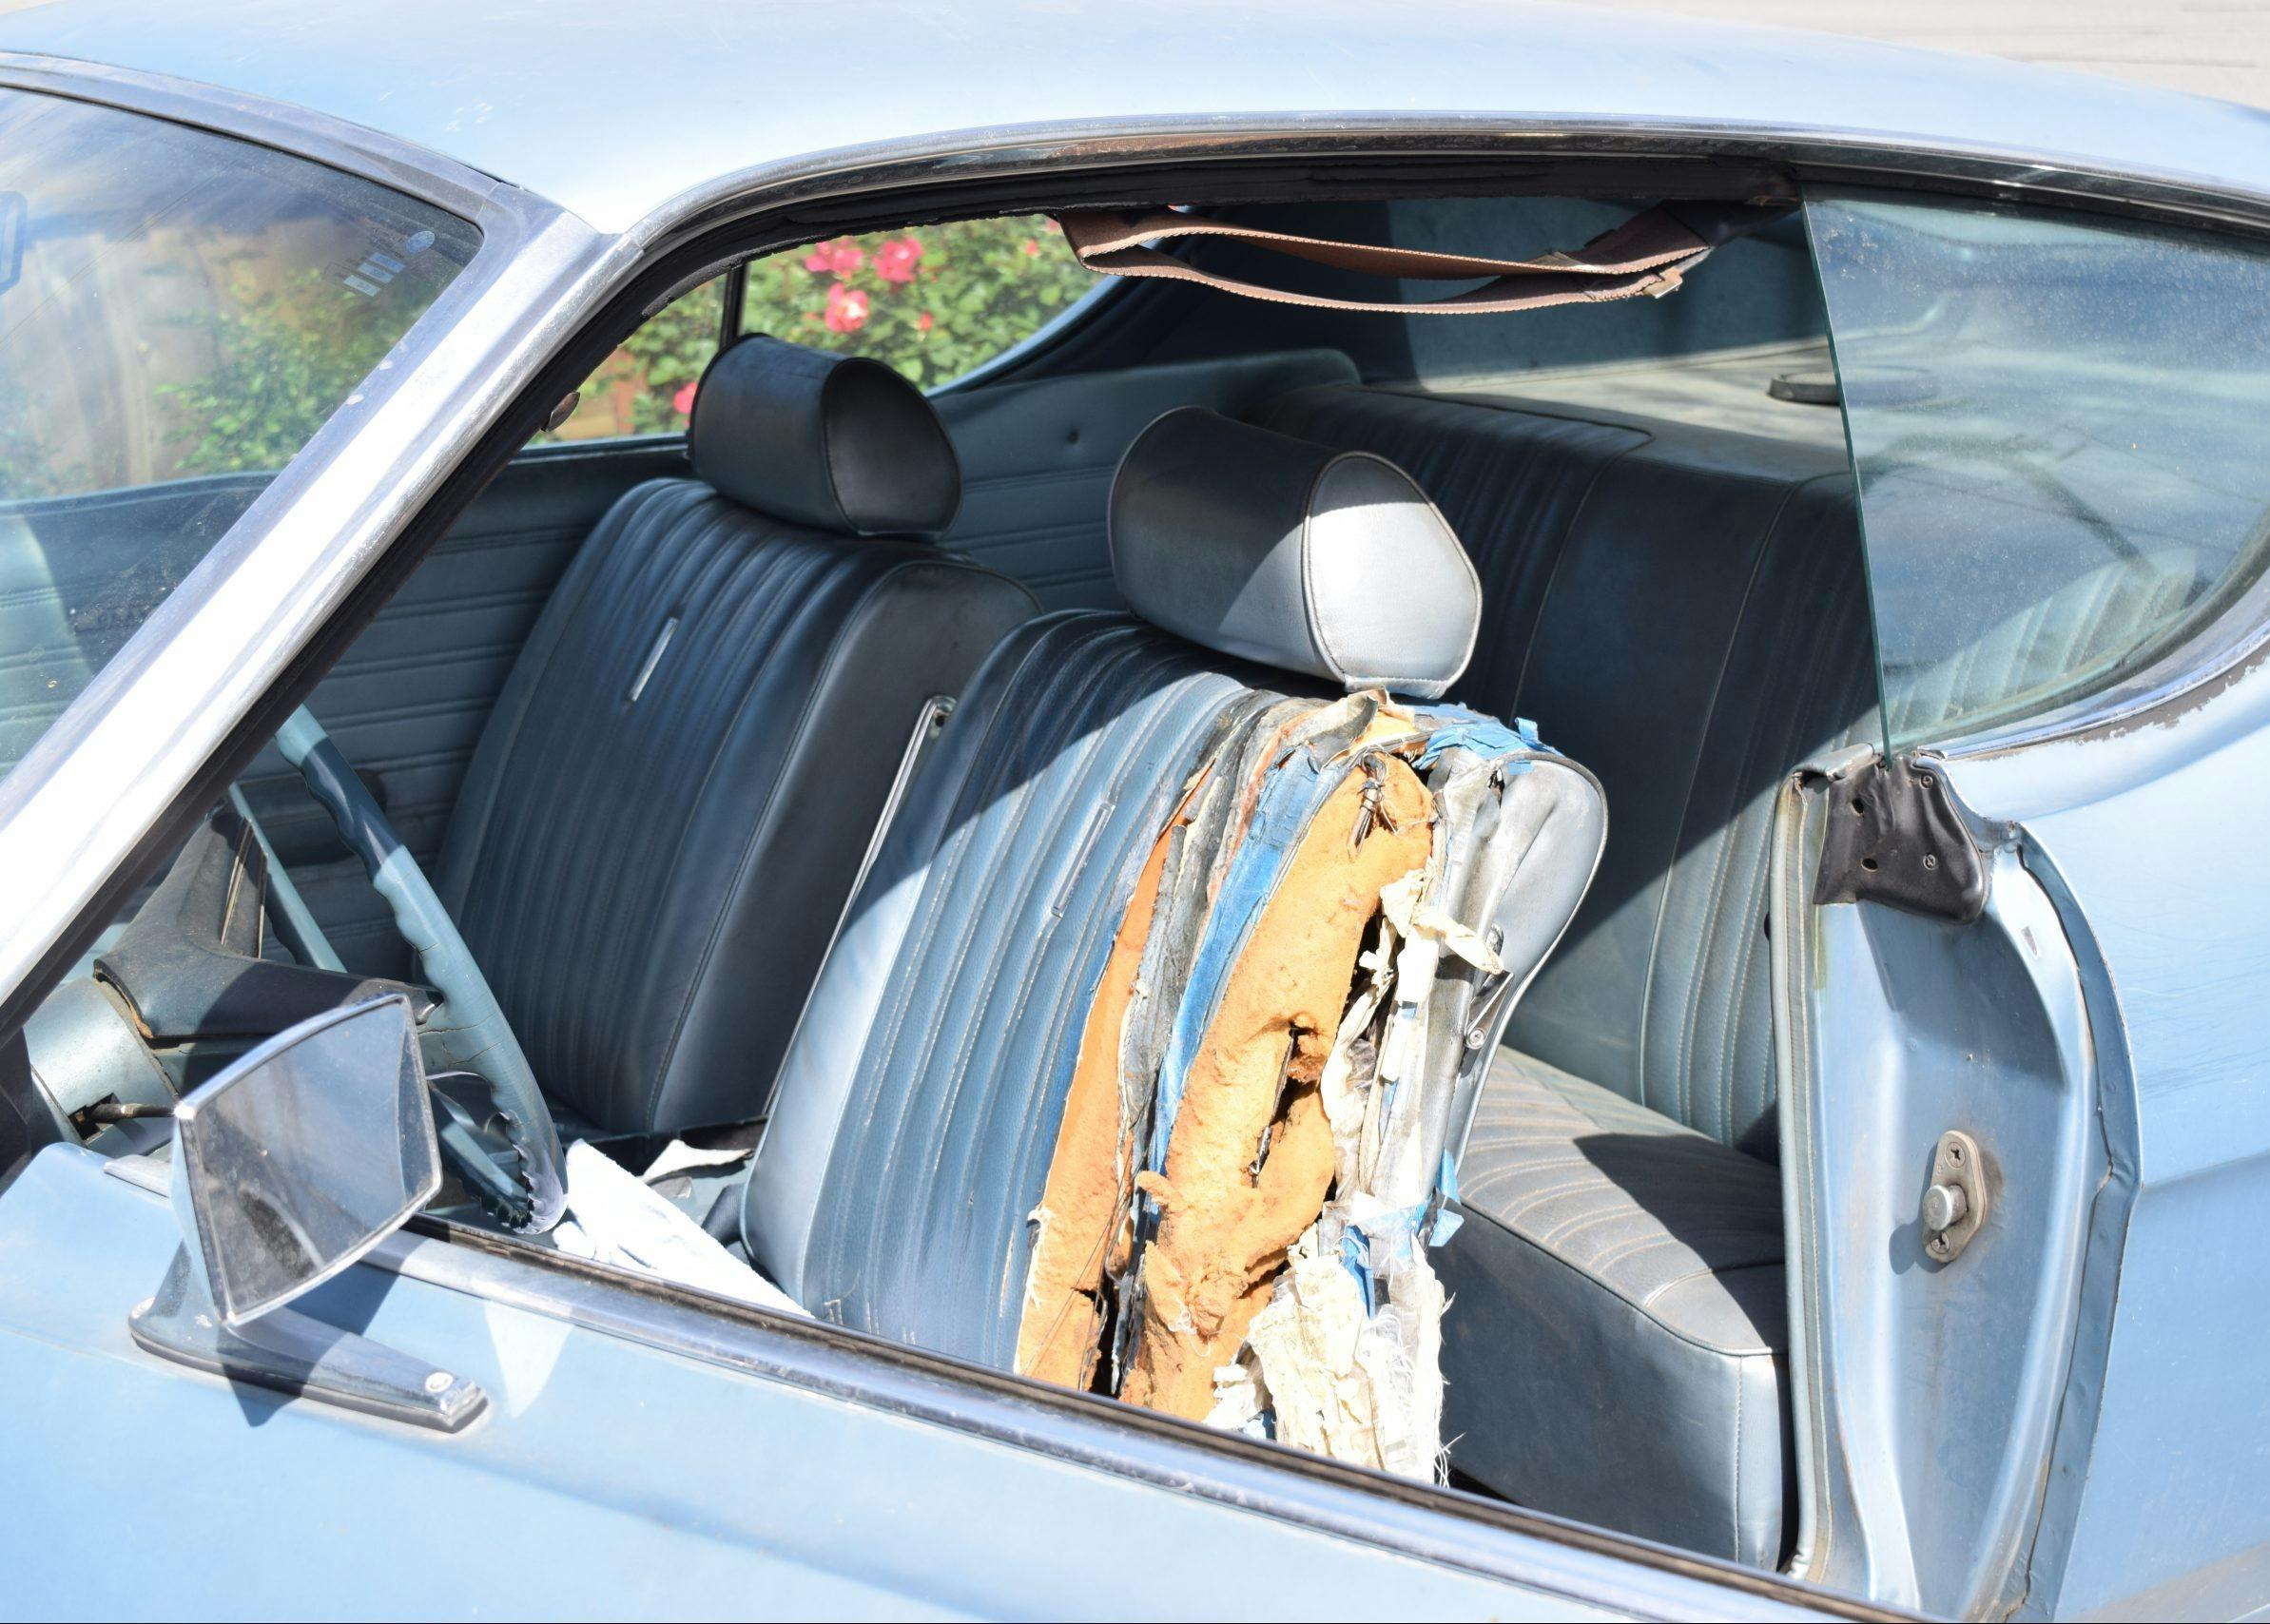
[179, 312]
[2061, 435]
[932, 302]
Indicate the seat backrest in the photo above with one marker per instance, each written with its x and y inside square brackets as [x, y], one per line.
[922, 1100]
[678, 785]
[1686, 607]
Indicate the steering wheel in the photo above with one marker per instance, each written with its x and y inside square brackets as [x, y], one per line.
[466, 1031]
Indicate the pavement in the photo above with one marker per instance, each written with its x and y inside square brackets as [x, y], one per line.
[2196, 45]
[2205, 48]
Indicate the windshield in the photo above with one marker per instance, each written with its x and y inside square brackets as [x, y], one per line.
[179, 312]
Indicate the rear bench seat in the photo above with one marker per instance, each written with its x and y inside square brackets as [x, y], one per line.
[1682, 609]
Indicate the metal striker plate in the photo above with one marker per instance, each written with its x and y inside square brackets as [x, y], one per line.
[1955, 1204]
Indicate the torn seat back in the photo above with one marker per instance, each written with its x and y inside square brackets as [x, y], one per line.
[1279, 1065]
[1143, 868]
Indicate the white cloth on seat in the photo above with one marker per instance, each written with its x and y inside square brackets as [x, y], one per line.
[614, 1218]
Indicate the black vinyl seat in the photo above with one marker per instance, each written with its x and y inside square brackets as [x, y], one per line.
[677, 787]
[1683, 607]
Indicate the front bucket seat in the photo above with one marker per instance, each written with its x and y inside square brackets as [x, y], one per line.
[678, 785]
[919, 1105]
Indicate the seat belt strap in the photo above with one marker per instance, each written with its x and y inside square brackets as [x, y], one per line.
[1646, 255]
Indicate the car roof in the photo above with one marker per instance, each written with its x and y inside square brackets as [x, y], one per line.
[614, 108]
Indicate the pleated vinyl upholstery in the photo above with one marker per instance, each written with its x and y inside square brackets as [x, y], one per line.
[1685, 613]
[919, 1105]
[671, 797]
[1683, 610]
[1618, 1341]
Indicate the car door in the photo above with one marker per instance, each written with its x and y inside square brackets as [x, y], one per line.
[651, 1452]
[2020, 973]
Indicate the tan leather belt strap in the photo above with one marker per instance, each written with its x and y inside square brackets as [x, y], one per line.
[1647, 254]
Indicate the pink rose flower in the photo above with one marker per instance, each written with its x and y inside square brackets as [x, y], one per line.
[894, 261]
[836, 259]
[846, 309]
[923, 322]
[682, 402]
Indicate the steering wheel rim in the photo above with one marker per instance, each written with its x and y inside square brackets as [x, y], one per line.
[469, 1027]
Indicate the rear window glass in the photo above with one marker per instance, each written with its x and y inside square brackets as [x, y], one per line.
[2061, 428]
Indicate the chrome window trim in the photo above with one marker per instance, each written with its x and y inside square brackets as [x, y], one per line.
[297, 130]
[1841, 157]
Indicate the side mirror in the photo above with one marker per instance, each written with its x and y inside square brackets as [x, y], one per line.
[304, 1156]
[288, 1167]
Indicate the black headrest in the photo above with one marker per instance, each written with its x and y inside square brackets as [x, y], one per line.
[1274, 548]
[837, 442]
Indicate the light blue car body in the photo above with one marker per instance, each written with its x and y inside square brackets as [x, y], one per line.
[2095, 1434]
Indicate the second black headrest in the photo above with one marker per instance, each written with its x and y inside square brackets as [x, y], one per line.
[837, 442]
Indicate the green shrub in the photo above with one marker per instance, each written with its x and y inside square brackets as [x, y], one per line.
[934, 302]
[645, 386]
[282, 359]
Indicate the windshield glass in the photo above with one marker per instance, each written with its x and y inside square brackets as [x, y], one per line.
[179, 312]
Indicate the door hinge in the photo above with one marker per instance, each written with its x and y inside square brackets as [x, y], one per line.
[1894, 836]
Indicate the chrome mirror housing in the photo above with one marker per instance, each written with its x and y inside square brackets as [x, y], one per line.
[288, 1167]
[302, 1155]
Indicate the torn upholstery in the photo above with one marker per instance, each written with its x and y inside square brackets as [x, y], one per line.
[918, 1180]
[1258, 1140]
